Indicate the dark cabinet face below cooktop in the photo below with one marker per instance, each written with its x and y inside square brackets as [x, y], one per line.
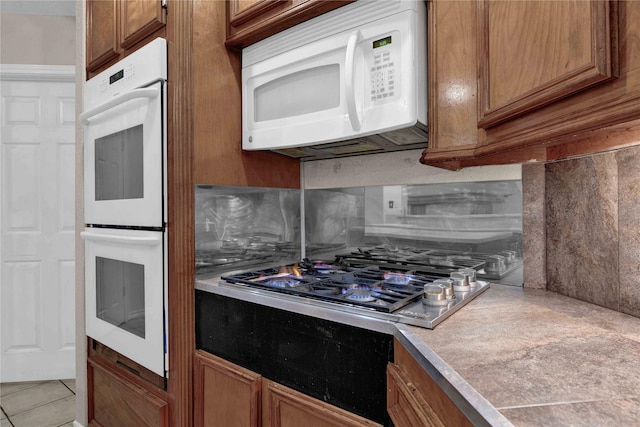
[340, 364]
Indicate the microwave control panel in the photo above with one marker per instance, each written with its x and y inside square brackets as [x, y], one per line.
[383, 62]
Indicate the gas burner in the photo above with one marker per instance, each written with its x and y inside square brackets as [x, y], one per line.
[398, 278]
[281, 282]
[361, 295]
[322, 267]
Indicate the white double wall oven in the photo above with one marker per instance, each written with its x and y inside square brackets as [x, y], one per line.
[125, 206]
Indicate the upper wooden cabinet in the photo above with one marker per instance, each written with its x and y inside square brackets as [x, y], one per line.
[250, 21]
[530, 80]
[535, 53]
[117, 27]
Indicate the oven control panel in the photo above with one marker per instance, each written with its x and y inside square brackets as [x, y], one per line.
[143, 67]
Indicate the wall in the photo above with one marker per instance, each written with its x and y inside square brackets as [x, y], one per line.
[37, 39]
[398, 168]
[591, 208]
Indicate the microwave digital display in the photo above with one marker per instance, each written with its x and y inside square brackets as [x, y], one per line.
[382, 42]
[115, 77]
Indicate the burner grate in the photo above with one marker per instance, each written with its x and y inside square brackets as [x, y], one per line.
[353, 286]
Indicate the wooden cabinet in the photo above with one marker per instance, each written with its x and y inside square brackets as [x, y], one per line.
[521, 81]
[119, 399]
[225, 394]
[229, 395]
[252, 20]
[414, 399]
[115, 28]
[284, 407]
[217, 112]
[535, 53]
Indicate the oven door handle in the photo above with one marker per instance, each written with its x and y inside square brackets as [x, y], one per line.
[150, 93]
[129, 240]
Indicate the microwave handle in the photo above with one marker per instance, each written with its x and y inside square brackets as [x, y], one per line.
[349, 76]
[130, 240]
[127, 96]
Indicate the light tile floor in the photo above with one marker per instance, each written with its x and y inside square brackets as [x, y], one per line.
[38, 404]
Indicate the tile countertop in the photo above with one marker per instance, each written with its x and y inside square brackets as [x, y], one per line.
[541, 358]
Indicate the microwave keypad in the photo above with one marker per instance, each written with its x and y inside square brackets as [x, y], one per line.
[382, 76]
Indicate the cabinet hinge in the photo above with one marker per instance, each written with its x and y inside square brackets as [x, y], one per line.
[163, 3]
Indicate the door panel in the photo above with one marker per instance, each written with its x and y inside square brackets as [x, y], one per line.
[37, 230]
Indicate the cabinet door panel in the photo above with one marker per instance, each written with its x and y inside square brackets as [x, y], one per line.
[406, 406]
[453, 75]
[102, 45]
[114, 400]
[250, 21]
[537, 52]
[140, 18]
[225, 394]
[284, 407]
[241, 11]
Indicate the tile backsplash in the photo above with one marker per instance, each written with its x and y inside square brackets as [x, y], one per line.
[591, 235]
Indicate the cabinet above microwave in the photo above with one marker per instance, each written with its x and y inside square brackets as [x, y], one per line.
[351, 81]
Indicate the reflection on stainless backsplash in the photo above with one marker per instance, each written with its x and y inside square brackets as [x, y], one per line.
[236, 226]
[240, 227]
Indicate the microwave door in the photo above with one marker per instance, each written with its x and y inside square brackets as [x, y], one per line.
[298, 97]
[124, 160]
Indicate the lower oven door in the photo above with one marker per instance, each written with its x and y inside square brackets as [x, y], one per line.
[124, 293]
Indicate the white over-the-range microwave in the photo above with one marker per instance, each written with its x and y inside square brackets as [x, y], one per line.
[351, 81]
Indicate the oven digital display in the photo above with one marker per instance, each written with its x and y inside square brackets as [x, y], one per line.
[115, 77]
[382, 42]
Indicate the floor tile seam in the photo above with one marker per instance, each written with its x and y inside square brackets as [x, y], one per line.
[68, 388]
[24, 389]
[5, 414]
[41, 405]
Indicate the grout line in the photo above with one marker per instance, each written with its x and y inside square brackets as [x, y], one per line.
[68, 388]
[43, 404]
[6, 416]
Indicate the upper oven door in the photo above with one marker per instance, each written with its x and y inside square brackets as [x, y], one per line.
[123, 159]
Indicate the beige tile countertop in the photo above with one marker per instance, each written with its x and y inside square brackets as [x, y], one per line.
[543, 359]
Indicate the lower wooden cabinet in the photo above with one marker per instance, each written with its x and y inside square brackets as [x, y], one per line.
[414, 399]
[225, 394]
[229, 395]
[284, 407]
[120, 399]
[406, 405]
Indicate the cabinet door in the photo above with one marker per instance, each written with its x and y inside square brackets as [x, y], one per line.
[534, 53]
[406, 406]
[413, 396]
[241, 11]
[102, 43]
[453, 78]
[250, 21]
[225, 394]
[139, 19]
[284, 407]
[117, 399]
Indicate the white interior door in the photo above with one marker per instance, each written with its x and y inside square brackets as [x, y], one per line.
[37, 229]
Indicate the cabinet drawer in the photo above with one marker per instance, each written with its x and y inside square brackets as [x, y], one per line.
[115, 400]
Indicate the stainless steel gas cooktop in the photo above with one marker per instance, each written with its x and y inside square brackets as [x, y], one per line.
[405, 286]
